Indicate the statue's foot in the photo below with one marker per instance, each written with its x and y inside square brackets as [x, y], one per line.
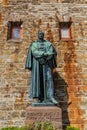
[35, 100]
[54, 101]
[40, 100]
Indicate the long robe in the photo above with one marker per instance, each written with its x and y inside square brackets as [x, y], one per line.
[41, 60]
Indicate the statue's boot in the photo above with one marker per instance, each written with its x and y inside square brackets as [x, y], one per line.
[53, 100]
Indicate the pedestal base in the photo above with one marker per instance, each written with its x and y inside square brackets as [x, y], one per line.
[44, 114]
[43, 104]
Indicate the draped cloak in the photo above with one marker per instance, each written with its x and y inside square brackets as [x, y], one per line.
[41, 62]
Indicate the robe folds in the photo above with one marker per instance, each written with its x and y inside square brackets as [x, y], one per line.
[41, 60]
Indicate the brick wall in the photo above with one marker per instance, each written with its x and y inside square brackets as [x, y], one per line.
[71, 73]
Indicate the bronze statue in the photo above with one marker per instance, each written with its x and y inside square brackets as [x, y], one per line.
[41, 60]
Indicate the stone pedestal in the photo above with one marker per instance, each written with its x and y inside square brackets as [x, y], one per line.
[44, 114]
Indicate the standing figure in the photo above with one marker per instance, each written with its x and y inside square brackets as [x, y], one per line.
[41, 60]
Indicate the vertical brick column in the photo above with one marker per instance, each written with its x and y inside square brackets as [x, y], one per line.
[0, 18]
[5, 2]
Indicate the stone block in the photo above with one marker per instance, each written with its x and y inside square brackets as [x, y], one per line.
[44, 114]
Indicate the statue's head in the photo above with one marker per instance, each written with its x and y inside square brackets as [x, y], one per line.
[41, 35]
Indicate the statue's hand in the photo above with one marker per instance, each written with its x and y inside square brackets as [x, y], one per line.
[45, 54]
[48, 54]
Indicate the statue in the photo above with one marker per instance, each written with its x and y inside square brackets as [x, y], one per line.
[41, 60]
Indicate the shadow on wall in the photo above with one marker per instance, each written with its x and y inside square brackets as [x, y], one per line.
[62, 96]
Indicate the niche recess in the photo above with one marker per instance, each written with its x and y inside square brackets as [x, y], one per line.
[14, 30]
[65, 31]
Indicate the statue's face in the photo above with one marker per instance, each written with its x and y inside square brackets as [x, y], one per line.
[41, 35]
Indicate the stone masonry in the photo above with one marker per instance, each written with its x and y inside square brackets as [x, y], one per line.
[71, 72]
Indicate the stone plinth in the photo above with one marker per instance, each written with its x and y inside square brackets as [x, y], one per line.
[44, 114]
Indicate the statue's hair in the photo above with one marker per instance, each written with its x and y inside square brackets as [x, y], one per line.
[41, 32]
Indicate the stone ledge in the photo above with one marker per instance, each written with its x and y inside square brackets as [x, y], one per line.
[15, 40]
